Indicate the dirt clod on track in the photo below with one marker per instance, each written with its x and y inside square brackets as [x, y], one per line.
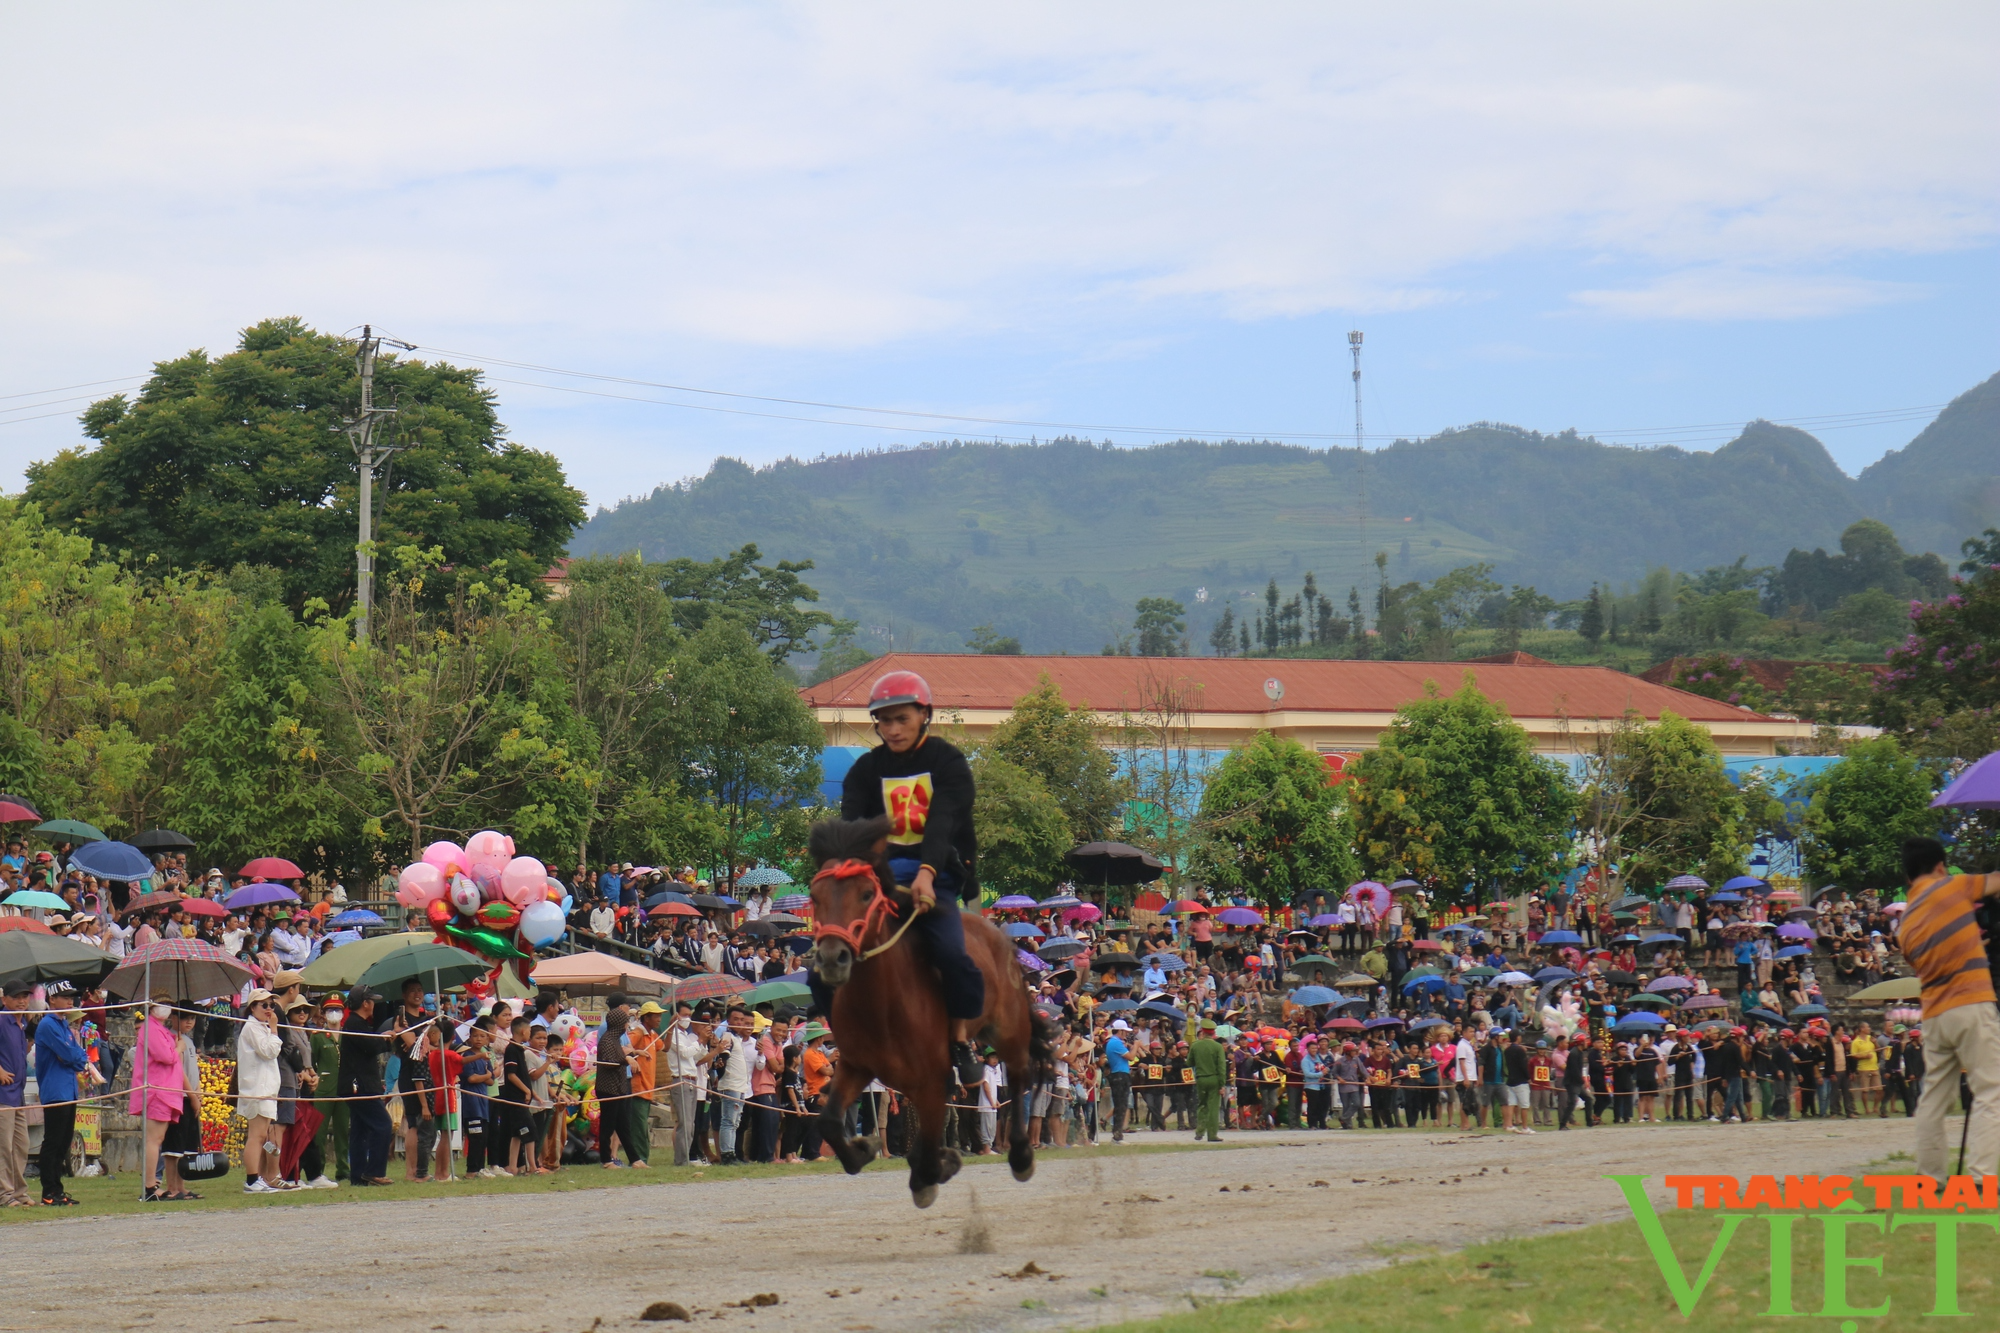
[621, 1257]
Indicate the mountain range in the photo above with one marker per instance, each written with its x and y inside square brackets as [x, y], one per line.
[1052, 543]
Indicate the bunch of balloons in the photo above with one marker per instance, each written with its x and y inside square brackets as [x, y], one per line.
[486, 900]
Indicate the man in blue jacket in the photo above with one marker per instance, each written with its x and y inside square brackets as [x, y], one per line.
[59, 1058]
[13, 1083]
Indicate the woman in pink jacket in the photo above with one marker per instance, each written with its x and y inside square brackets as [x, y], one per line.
[157, 1092]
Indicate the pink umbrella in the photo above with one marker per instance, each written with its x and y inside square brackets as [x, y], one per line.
[1082, 912]
[1376, 895]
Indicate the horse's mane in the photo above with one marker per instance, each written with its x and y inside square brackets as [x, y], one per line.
[846, 839]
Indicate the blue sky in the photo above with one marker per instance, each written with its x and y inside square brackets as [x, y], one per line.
[1155, 216]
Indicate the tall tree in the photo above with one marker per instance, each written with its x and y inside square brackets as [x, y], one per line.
[1223, 637]
[1022, 830]
[239, 460]
[1661, 804]
[1058, 745]
[1161, 627]
[1862, 808]
[1276, 825]
[764, 599]
[1270, 621]
[1455, 794]
[1591, 627]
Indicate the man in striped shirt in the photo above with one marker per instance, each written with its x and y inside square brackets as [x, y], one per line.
[1941, 940]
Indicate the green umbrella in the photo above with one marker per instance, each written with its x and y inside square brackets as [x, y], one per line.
[437, 966]
[342, 967]
[1227, 1031]
[776, 992]
[71, 828]
[1481, 971]
[28, 955]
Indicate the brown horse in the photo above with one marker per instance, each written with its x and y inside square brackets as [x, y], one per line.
[888, 1014]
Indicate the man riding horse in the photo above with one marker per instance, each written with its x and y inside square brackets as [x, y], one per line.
[923, 786]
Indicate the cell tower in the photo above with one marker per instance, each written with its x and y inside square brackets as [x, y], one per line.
[1360, 454]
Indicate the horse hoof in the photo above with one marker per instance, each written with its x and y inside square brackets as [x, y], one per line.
[925, 1197]
[1024, 1174]
[948, 1163]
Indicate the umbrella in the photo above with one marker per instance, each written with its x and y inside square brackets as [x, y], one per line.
[1062, 900]
[1765, 1016]
[1325, 919]
[1458, 928]
[1372, 891]
[1165, 962]
[763, 877]
[1240, 916]
[27, 923]
[593, 973]
[1427, 970]
[1422, 1023]
[1812, 913]
[1785, 895]
[148, 902]
[1664, 937]
[1185, 907]
[771, 992]
[1549, 974]
[1482, 972]
[1618, 976]
[259, 895]
[337, 969]
[764, 926]
[1561, 937]
[1810, 1011]
[1797, 930]
[1024, 930]
[41, 955]
[1426, 946]
[1513, 979]
[1308, 996]
[1629, 938]
[1341, 1024]
[1639, 1023]
[1744, 884]
[1228, 1031]
[112, 860]
[14, 810]
[1014, 902]
[711, 900]
[355, 916]
[163, 840]
[1895, 909]
[782, 919]
[37, 898]
[668, 896]
[707, 986]
[1163, 1009]
[186, 969]
[1895, 988]
[203, 907]
[272, 867]
[675, 909]
[1704, 1002]
[1061, 948]
[1647, 1001]
[1432, 982]
[792, 902]
[1106, 961]
[1406, 884]
[1117, 1006]
[1082, 912]
[1793, 951]
[1357, 979]
[1669, 983]
[1977, 788]
[1386, 1021]
[1030, 961]
[73, 829]
[1687, 882]
[1114, 863]
[443, 966]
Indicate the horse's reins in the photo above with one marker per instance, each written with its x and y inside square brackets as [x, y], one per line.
[880, 908]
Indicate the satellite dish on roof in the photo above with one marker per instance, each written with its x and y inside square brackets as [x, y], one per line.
[1274, 689]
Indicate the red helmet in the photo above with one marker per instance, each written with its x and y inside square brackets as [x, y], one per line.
[899, 687]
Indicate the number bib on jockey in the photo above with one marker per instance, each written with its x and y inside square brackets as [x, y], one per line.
[907, 801]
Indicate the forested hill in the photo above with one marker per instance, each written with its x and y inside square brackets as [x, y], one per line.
[1053, 543]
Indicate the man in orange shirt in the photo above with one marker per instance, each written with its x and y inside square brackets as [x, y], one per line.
[643, 1044]
[816, 1069]
[1941, 940]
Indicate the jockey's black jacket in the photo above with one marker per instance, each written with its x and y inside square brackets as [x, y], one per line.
[927, 795]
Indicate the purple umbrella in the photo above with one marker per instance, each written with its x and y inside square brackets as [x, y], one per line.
[1372, 891]
[1383, 1022]
[1029, 961]
[259, 895]
[1240, 916]
[1705, 1002]
[1977, 788]
[1687, 882]
[1013, 901]
[1796, 930]
[1325, 919]
[1670, 983]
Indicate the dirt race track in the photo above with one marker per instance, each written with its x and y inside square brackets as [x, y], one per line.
[1123, 1236]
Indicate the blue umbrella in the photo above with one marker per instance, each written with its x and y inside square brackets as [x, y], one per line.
[1765, 1016]
[1725, 897]
[340, 937]
[1548, 974]
[1793, 951]
[1063, 900]
[1023, 930]
[1745, 883]
[1119, 1005]
[1308, 996]
[1561, 937]
[37, 898]
[672, 896]
[1163, 1009]
[763, 877]
[1809, 1011]
[1166, 962]
[1664, 937]
[1640, 1022]
[1428, 983]
[1423, 1023]
[1386, 1021]
[112, 860]
[1458, 928]
[355, 916]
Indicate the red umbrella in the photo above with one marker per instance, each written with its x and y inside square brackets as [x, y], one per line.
[1425, 944]
[272, 867]
[1342, 1024]
[26, 923]
[203, 907]
[711, 986]
[13, 812]
[187, 969]
[146, 902]
[674, 909]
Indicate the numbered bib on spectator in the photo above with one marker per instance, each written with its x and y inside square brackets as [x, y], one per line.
[1187, 1076]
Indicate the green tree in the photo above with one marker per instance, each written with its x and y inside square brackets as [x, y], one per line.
[1223, 637]
[1268, 627]
[763, 599]
[1861, 810]
[1662, 804]
[237, 460]
[1455, 794]
[1056, 743]
[1946, 674]
[1022, 830]
[1161, 627]
[1591, 626]
[984, 639]
[1277, 826]
[840, 654]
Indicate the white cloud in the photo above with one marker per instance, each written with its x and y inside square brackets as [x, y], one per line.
[1725, 293]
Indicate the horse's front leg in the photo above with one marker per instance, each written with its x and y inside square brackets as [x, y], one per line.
[848, 1081]
[1023, 1074]
[930, 1163]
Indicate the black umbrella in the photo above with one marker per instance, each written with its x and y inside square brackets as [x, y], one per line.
[28, 955]
[710, 900]
[1105, 961]
[1061, 948]
[163, 840]
[1114, 863]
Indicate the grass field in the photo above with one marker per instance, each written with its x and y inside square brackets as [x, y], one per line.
[99, 1197]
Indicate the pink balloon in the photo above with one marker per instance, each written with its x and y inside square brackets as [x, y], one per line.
[420, 883]
[448, 857]
[465, 896]
[488, 844]
[524, 881]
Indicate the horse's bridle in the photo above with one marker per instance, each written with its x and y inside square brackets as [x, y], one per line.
[881, 908]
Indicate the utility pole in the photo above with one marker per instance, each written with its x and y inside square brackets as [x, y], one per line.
[361, 434]
[1360, 454]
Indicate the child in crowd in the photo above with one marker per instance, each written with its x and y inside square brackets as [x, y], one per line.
[991, 1077]
[477, 1072]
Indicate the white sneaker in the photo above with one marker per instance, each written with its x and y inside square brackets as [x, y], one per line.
[501, 1171]
[322, 1183]
[258, 1187]
[1526, 1130]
